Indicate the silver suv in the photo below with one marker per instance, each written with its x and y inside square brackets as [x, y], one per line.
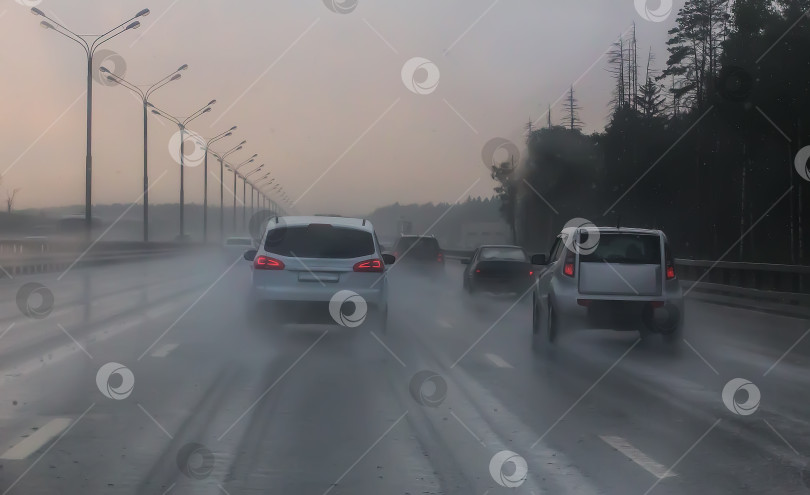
[308, 262]
[616, 278]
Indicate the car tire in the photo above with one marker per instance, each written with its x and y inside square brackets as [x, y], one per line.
[552, 326]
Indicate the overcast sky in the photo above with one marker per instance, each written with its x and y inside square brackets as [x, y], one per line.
[319, 95]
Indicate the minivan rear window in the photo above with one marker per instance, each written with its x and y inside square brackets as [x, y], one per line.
[614, 247]
[319, 241]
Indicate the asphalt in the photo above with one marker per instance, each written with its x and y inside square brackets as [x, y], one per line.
[222, 404]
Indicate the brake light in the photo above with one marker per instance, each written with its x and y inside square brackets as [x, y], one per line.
[477, 271]
[440, 257]
[267, 263]
[670, 272]
[531, 272]
[372, 265]
[568, 268]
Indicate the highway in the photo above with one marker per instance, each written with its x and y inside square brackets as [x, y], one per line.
[213, 403]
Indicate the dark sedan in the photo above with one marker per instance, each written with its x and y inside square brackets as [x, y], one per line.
[498, 269]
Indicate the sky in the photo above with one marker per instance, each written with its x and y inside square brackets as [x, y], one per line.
[350, 105]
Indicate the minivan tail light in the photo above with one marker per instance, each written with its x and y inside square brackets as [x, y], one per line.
[670, 272]
[568, 268]
[440, 257]
[267, 263]
[372, 265]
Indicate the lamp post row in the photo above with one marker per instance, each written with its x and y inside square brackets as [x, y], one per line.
[89, 44]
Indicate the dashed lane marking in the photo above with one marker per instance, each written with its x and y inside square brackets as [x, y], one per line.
[164, 350]
[658, 470]
[498, 361]
[31, 444]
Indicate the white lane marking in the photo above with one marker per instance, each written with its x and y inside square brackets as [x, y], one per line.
[51, 430]
[498, 361]
[444, 323]
[658, 470]
[164, 350]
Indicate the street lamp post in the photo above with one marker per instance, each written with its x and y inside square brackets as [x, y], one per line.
[181, 124]
[90, 50]
[144, 95]
[235, 169]
[244, 193]
[221, 158]
[208, 144]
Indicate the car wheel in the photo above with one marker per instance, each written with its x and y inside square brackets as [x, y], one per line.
[551, 323]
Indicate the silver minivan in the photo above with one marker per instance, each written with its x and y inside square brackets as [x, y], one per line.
[328, 262]
[604, 277]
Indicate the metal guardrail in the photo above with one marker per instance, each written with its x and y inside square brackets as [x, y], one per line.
[29, 256]
[785, 284]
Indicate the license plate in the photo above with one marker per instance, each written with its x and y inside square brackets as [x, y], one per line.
[322, 277]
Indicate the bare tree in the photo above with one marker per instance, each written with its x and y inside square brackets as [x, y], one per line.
[10, 196]
[572, 110]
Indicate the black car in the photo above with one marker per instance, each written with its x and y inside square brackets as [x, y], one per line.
[498, 269]
[419, 250]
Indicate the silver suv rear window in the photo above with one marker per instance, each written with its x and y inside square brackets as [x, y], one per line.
[614, 247]
[319, 241]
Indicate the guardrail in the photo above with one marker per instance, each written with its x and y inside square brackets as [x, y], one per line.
[783, 288]
[29, 256]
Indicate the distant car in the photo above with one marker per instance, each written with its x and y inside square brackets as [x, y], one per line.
[420, 251]
[309, 263]
[616, 278]
[234, 247]
[498, 269]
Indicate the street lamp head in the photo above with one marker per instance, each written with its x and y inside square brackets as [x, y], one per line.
[143, 13]
[112, 79]
[46, 25]
[244, 141]
[104, 70]
[228, 134]
[254, 156]
[155, 112]
[211, 102]
[134, 25]
[232, 129]
[182, 67]
[207, 110]
[36, 11]
[175, 77]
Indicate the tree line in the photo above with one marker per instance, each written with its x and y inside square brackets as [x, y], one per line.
[702, 148]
